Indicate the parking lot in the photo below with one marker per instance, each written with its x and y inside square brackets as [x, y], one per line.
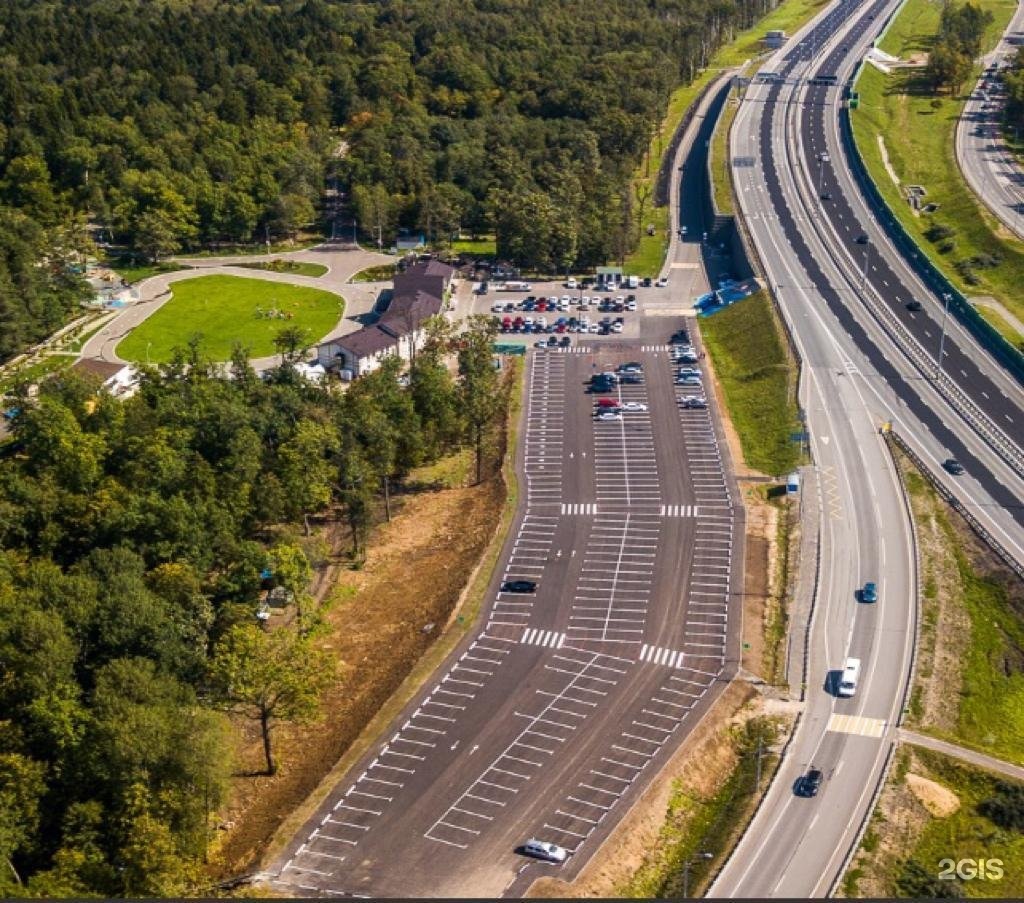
[606, 629]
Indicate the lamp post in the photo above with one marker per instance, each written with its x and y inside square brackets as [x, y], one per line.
[947, 297]
[696, 857]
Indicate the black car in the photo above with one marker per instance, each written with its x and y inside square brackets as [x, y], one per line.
[953, 466]
[647, 282]
[810, 783]
[519, 586]
[826, 195]
[682, 337]
[631, 378]
[913, 305]
[564, 342]
[861, 239]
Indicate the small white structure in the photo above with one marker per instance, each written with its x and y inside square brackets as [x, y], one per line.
[119, 379]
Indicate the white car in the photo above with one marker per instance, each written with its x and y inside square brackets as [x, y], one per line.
[607, 415]
[594, 328]
[570, 282]
[662, 282]
[498, 308]
[633, 406]
[616, 327]
[631, 305]
[687, 371]
[541, 849]
[542, 320]
[563, 304]
[527, 321]
[565, 299]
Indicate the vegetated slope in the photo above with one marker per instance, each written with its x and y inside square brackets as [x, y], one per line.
[757, 379]
[134, 538]
[173, 124]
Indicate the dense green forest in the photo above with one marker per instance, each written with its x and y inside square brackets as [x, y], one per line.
[174, 124]
[134, 539]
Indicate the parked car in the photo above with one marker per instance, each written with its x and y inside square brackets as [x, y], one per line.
[688, 381]
[634, 406]
[630, 367]
[616, 326]
[552, 342]
[688, 371]
[564, 342]
[608, 403]
[541, 849]
[519, 586]
[646, 282]
[608, 415]
[570, 282]
[696, 401]
[662, 282]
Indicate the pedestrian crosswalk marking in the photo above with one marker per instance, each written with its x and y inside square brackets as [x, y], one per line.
[654, 347]
[579, 509]
[678, 510]
[659, 655]
[856, 724]
[550, 638]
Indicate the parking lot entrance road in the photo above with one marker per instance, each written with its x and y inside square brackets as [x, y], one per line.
[549, 718]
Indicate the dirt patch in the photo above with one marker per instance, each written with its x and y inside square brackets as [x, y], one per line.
[378, 629]
[938, 800]
[699, 766]
[759, 566]
[885, 161]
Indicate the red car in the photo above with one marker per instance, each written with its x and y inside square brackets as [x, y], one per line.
[542, 305]
[608, 403]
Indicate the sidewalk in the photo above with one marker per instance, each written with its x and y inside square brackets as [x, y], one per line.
[990, 763]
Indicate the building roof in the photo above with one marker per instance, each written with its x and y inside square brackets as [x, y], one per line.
[366, 341]
[432, 267]
[93, 366]
[408, 311]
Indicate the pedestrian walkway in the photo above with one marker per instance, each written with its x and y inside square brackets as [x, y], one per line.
[990, 763]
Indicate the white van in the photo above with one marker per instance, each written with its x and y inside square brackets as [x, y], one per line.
[571, 282]
[850, 676]
[633, 282]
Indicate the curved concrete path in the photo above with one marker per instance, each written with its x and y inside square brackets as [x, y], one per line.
[342, 265]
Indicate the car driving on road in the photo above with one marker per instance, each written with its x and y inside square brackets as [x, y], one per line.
[810, 783]
[869, 593]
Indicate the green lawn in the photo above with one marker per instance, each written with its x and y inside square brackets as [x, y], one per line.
[480, 247]
[919, 142]
[32, 373]
[131, 271]
[298, 267]
[224, 310]
[758, 379]
[375, 274]
[963, 834]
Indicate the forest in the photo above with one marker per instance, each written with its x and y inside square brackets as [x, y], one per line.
[136, 538]
[165, 125]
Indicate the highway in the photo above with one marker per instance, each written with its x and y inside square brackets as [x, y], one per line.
[866, 362]
[989, 167]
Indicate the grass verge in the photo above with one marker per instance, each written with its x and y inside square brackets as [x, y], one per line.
[131, 271]
[969, 682]
[1003, 326]
[702, 823]
[931, 809]
[758, 380]
[789, 15]
[297, 267]
[32, 373]
[381, 273]
[223, 310]
[721, 180]
[970, 247]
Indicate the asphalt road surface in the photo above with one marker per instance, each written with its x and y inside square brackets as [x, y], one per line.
[855, 378]
[990, 168]
[550, 716]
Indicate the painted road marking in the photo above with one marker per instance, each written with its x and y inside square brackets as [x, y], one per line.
[856, 724]
[678, 510]
[550, 638]
[579, 509]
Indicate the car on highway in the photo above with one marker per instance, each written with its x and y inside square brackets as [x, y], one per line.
[607, 415]
[869, 593]
[913, 305]
[849, 677]
[951, 465]
[634, 406]
[519, 586]
[541, 849]
[862, 239]
[810, 783]
[826, 195]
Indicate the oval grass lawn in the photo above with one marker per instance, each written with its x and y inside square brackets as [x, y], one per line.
[224, 310]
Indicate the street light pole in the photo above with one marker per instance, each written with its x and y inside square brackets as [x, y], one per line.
[947, 297]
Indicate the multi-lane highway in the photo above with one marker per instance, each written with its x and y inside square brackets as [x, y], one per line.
[990, 168]
[844, 290]
[550, 716]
